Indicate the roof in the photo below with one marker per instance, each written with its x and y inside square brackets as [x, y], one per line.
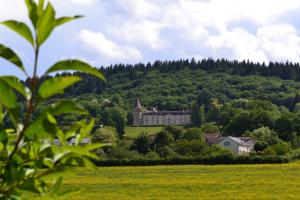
[245, 141]
[212, 138]
[183, 112]
[138, 104]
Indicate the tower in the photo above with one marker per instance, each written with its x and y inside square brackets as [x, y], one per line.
[137, 113]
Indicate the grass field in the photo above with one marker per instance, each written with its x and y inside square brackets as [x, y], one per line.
[186, 182]
[133, 132]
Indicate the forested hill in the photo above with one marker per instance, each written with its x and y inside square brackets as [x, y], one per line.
[173, 85]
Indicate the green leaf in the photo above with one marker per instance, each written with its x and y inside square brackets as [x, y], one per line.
[79, 150]
[1, 146]
[7, 97]
[15, 83]
[4, 137]
[56, 186]
[66, 106]
[71, 132]
[56, 85]
[32, 11]
[40, 7]
[21, 28]
[11, 56]
[29, 185]
[44, 126]
[2, 114]
[63, 20]
[75, 65]
[46, 24]
[89, 164]
[94, 146]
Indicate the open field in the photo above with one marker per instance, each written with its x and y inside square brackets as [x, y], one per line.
[132, 131]
[186, 182]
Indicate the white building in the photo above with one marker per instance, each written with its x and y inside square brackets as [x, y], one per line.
[153, 118]
[238, 145]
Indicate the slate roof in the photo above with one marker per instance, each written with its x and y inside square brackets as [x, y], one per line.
[245, 141]
[184, 112]
[138, 104]
[212, 138]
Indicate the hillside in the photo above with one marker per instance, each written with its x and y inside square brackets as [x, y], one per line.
[181, 84]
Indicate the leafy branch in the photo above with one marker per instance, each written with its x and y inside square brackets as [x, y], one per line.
[27, 153]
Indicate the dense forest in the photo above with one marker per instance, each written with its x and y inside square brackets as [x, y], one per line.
[173, 85]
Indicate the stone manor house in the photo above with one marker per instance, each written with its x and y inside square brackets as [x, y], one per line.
[151, 118]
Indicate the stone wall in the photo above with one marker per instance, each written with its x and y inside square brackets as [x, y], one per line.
[168, 119]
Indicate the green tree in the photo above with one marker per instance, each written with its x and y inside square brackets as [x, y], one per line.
[210, 128]
[103, 135]
[28, 155]
[143, 143]
[264, 134]
[260, 146]
[198, 115]
[163, 138]
[119, 117]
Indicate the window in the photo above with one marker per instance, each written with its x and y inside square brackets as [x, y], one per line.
[226, 143]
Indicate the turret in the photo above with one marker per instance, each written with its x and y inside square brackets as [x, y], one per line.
[137, 113]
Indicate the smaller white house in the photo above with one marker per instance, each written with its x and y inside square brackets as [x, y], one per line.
[238, 145]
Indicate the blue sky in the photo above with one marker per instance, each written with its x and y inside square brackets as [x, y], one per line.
[132, 31]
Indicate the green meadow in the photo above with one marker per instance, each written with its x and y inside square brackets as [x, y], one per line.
[185, 182]
[133, 132]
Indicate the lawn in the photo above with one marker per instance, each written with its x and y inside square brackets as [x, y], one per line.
[186, 182]
[132, 131]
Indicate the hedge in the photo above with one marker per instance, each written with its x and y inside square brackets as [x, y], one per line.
[206, 160]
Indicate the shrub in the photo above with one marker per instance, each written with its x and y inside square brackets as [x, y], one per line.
[163, 138]
[165, 152]
[191, 148]
[281, 148]
[176, 132]
[193, 134]
[143, 143]
[121, 153]
[104, 135]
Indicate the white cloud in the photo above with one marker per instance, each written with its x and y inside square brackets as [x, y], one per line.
[237, 44]
[280, 42]
[84, 2]
[107, 49]
[13, 9]
[145, 33]
[144, 30]
[139, 8]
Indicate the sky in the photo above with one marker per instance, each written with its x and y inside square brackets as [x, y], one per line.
[133, 31]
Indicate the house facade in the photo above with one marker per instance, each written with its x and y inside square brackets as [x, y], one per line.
[152, 118]
[238, 145]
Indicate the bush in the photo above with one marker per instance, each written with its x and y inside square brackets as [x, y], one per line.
[143, 143]
[121, 153]
[204, 160]
[260, 146]
[281, 148]
[193, 134]
[176, 132]
[191, 148]
[163, 138]
[165, 152]
[104, 136]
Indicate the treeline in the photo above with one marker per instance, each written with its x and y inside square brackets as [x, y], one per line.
[173, 85]
[177, 145]
[286, 71]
